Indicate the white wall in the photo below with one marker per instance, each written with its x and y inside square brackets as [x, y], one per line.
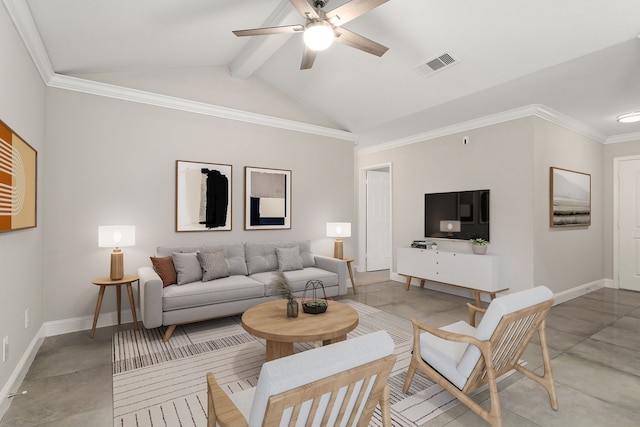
[113, 162]
[567, 257]
[512, 159]
[495, 158]
[22, 97]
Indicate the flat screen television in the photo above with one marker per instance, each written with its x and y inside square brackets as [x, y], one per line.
[460, 215]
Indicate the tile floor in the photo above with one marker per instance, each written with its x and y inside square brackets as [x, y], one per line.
[594, 343]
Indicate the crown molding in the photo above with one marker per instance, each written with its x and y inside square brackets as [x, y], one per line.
[26, 27]
[626, 137]
[537, 110]
[23, 21]
[149, 98]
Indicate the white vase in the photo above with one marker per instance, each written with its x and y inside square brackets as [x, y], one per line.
[479, 249]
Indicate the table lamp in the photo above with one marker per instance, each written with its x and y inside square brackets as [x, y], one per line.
[116, 236]
[338, 230]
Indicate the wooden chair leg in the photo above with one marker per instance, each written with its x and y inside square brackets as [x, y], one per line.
[385, 407]
[410, 373]
[168, 332]
[546, 380]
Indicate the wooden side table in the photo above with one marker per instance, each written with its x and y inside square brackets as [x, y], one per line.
[103, 282]
[353, 282]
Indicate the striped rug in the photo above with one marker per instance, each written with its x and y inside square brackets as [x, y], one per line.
[163, 384]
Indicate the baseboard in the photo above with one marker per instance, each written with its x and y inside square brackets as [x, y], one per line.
[577, 291]
[85, 323]
[20, 371]
[559, 297]
[49, 329]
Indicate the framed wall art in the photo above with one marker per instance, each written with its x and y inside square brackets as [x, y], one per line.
[267, 199]
[203, 196]
[570, 198]
[18, 181]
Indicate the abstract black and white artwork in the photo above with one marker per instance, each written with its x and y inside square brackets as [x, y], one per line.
[570, 201]
[267, 199]
[203, 196]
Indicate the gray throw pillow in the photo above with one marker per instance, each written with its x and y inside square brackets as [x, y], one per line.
[289, 258]
[213, 265]
[187, 267]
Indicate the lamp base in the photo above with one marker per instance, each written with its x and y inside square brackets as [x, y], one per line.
[337, 248]
[117, 264]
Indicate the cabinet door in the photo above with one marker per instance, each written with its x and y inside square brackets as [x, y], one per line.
[471, 271]
[416, 262]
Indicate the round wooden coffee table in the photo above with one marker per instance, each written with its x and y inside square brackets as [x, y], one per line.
[269, 321]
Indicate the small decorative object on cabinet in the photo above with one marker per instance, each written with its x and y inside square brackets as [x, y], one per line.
[314, 305]
[281, 286]
[479, 246]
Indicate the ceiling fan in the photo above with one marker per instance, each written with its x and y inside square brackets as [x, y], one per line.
[322, 28]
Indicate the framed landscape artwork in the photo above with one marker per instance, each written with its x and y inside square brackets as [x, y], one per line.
[267, 204]
[570, 198]
[18, 181]
[203, 196]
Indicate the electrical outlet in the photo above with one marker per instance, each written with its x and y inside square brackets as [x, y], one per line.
[26, 318]
[5, 348]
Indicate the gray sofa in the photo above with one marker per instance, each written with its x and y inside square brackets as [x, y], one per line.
[250, 269]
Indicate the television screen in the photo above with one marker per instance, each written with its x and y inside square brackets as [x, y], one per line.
[457, 215]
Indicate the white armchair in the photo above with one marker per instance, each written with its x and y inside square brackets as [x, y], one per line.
[462, 358]
[323, 387]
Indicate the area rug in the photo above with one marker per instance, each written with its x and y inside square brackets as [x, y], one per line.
[163, 384]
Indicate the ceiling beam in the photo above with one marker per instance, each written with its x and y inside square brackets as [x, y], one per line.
[260, 48]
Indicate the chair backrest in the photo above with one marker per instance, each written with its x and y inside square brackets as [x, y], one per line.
[324, 386]
[509, 323]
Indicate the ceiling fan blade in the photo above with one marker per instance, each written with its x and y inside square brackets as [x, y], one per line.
[352, 10]
[305, 9]
[287, 29]
[307, 58]
[357, 41]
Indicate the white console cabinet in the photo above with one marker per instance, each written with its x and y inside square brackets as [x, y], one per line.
[478, 273]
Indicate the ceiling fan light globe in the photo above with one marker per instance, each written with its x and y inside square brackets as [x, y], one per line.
[318, 35]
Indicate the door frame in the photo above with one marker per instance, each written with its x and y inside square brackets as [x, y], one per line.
[616, 217]
[362, 214]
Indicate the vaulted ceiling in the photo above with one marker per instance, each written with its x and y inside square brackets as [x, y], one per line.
[580, 58]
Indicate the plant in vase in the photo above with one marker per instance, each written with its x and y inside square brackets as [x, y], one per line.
[316, 304]
[281, 286]
[479, 245]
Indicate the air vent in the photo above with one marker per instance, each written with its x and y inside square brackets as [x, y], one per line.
[431, 66]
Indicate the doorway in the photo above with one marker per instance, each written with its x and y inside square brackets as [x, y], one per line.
[626, 236]
[376, 213]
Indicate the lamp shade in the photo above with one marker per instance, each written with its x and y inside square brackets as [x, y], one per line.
[116, 236]
[338, 229]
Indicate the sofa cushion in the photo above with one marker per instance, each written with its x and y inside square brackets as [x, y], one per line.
[298, 279]
[165, 269]
[262, 256]
[213, 265]
[289, 258]
[168, 251]
[195, 294]
[233, 254]
[187, 267]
